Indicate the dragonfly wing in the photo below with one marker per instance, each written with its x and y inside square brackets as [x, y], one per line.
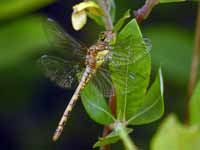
[62, 43]
[62, 72]
[129, 51]
[103, 81]
[122, 77]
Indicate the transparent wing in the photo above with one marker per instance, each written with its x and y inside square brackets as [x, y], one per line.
[126, 77]
[62, 43]
[129, 51]
[103, 81]
[62, 72]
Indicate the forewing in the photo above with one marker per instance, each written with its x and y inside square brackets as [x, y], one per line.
[62, 72]
[129, 51]
[62, 43]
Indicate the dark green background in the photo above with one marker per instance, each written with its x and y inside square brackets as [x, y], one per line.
[31, 105]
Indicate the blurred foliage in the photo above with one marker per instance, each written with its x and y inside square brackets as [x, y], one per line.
[14, 8]
[175, 56]
[180, 136]
[194, 106]
[175, 136]
[171, 1]
[21, 39]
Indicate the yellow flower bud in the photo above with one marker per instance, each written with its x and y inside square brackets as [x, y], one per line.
[95, 11]
[79, 15]
[79, 19]
[90, 6]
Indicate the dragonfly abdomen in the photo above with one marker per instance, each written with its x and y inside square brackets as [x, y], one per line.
[84, 80]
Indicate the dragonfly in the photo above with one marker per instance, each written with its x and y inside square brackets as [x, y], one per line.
[71, 58]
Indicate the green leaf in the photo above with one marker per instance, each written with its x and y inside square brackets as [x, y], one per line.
[21, 39]
[153, 105]
[95, 105]
[171, 1]
[112, 10]
[121, 21]
[174, 136]
[113, 137]
[168, 53]
[13, 8]
[195, 106]
[128, 104]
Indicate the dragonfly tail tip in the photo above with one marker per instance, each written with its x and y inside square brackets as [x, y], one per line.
[55, 137]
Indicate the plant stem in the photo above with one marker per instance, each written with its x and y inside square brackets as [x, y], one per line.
[129, 145]
[107, 129]
[194, 65]
[143, 12]
[105, 4]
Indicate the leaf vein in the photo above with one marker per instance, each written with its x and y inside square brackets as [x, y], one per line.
[144, 111]
[101, 109]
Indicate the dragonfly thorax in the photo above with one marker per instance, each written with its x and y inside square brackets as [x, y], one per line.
[100, 57]
[98, 52]
[96, 55]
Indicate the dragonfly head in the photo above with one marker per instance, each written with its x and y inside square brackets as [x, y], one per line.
[107, 36]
